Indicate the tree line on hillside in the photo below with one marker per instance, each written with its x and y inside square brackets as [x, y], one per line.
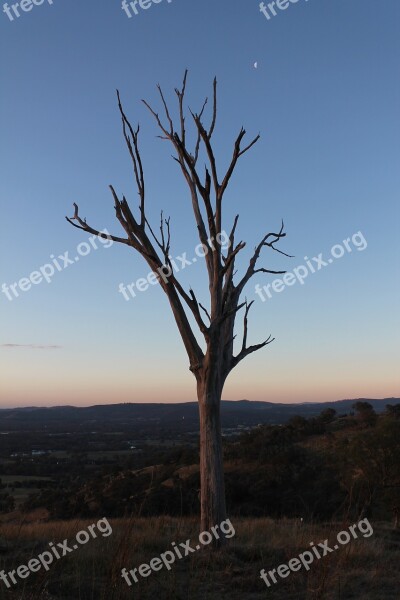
[320, 468]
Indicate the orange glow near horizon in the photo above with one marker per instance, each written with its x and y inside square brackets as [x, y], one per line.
[79, 394]
[82, 378]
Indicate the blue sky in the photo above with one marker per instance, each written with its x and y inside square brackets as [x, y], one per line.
[325, 98]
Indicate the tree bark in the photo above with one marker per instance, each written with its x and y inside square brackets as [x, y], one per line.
[212, 497]
[396, 524]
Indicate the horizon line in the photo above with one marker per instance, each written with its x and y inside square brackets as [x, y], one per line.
[196, 402]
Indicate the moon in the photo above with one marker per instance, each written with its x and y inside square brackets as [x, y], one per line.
[255, 65]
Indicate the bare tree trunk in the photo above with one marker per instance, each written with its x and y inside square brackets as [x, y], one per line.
[206, 190]
[213, 508]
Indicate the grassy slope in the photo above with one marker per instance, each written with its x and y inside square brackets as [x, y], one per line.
[365, 569]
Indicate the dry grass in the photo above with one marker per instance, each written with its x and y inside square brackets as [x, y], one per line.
[365, 569]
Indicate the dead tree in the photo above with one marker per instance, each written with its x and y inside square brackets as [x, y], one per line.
[211, 364]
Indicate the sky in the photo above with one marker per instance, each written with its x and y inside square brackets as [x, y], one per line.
[318, 80]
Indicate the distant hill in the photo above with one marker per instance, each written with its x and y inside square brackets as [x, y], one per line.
[182, 418]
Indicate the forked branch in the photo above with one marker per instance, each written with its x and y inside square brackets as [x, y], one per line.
[207, 192]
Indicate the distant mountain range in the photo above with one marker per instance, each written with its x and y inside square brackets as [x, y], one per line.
[182, 418]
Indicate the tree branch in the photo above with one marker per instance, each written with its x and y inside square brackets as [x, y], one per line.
[206, 194]
[135, 156]
[251, 270]
[236, 359]
[85, 227]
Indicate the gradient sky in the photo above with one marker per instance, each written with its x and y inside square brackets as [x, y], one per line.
[325, 98]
